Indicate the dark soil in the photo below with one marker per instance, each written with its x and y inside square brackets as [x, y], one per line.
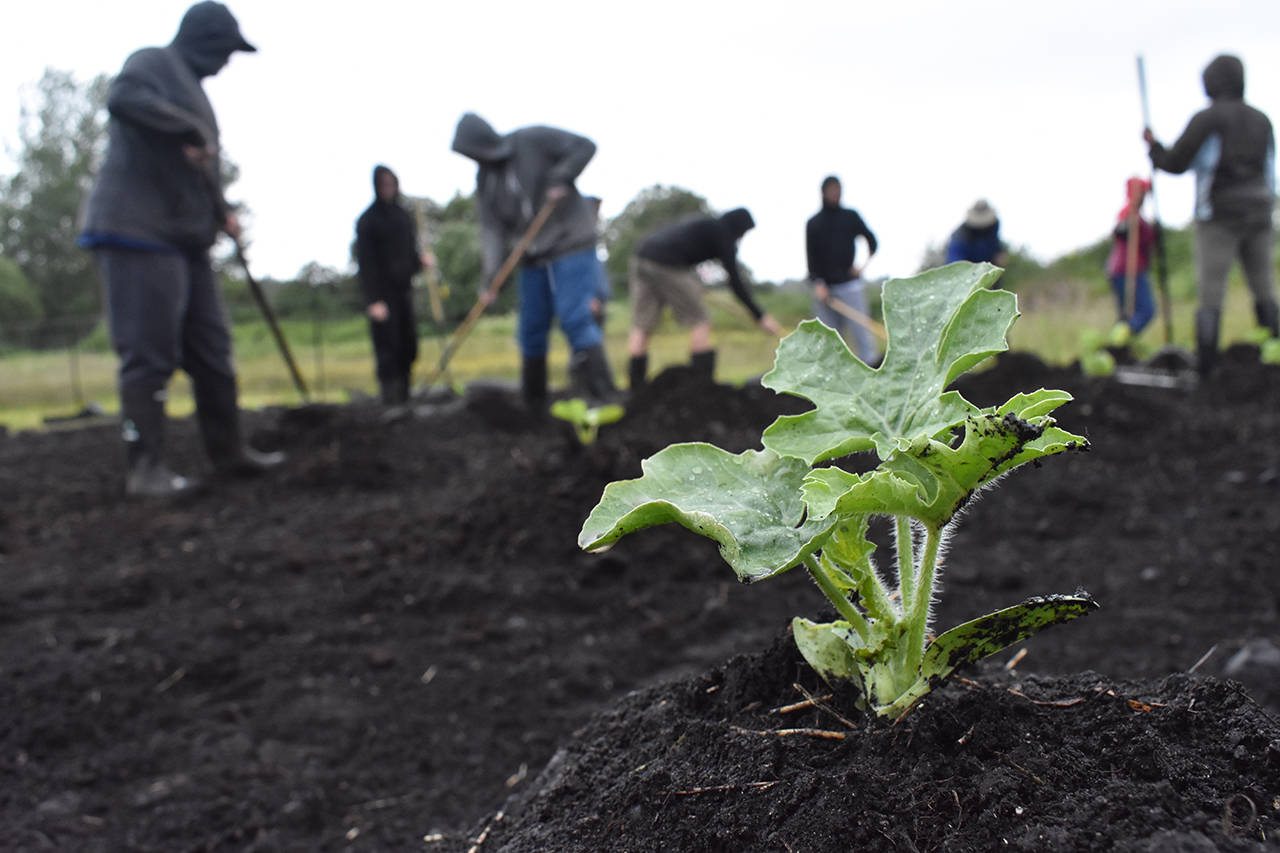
[390, 639]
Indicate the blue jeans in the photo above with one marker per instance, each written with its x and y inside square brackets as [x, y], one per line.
[857, 336]
[561, 289]
[1144, 305]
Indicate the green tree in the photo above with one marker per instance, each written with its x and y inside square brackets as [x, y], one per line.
[651, 209]
[20, 308]
[62, 136]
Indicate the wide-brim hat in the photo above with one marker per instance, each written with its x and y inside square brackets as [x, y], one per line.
[981, 215]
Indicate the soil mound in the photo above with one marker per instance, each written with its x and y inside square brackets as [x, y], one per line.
[395, 633]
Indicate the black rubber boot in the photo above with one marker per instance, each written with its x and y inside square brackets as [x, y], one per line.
[218, 414]
[394, 391]
[637, 371]
[143, 425]
[533, 383]
[1207, 325]
[704, 364]
[591, 378]
[1268, 317]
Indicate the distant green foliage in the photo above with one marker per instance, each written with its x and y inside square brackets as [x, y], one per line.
[20, 307]
[63, 134]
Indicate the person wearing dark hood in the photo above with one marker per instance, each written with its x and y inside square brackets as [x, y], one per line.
[517, 174]
[154, 212]
[829, 238]
[388, 258]
[663, 272]
[977, 240]
[1231, 147]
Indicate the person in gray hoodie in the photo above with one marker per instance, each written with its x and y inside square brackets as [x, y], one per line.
[153, 214]
[559, 273]
[1231, 147]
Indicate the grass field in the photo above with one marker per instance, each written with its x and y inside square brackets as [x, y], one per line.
[337, 361]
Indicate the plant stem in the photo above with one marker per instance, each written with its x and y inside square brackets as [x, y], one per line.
[829, 588]
[917, 615]
[906, 563]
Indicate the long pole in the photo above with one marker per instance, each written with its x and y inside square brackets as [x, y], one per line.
[490, 293]
[1162, 259]
[265, 307]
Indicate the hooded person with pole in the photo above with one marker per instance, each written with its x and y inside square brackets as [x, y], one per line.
[153, 214]
[388, 258]
[1231, 148]
[518, 175]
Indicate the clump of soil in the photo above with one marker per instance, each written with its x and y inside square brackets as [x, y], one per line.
[392, 636]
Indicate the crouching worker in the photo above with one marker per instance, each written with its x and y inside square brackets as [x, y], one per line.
[663, 272]
[559, 273]
[153, 215]
[1128, 263]
[388, 258]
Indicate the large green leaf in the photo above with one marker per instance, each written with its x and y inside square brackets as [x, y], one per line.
[939, 324]
[931, 480]
[749, 503]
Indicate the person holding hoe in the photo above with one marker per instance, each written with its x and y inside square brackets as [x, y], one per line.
[388, 258]
[829, 239]
[1231, 147]
[1127, 265]
[663, 273]
[153, 214]
[519, 174]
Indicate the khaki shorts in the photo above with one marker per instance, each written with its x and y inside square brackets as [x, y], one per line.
[655, 286]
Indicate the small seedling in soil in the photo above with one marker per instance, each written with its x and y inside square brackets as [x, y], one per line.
[784, 506]
[586, 420]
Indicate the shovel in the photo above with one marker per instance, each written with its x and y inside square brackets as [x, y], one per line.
[261, 298]
[1162, 260]
[491, 292]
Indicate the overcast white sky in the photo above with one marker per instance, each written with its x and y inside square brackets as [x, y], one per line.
[919, 107]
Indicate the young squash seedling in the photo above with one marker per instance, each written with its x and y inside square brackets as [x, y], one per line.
[774, 509]
[586, 419]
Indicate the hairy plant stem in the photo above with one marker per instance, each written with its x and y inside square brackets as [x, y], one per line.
[906, 563]
[917, 613]
[837, 597]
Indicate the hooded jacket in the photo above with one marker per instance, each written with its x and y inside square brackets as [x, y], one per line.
[514, 174]
[1231, 147]
[386, 247]
[148, 195]
[706, 238]
[829, 243]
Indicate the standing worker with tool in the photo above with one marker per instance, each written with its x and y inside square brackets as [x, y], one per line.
[1127, 265]
[155, 211]
[663, 272]
[1232, 149]
[388, 258]
[520, 173]
[829, 238]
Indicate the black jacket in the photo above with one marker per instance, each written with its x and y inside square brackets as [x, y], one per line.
[147, 192]
[1231, 147]
[828, 240]
[706, 238]
[514, 174]
[386, 249]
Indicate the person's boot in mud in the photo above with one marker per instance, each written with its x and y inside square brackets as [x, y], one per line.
[218, 414]
[533, 385]
[1207, 325]
[1268, 315]
[703, 365]
[143, 425]
[637, 373]
[591, 377]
